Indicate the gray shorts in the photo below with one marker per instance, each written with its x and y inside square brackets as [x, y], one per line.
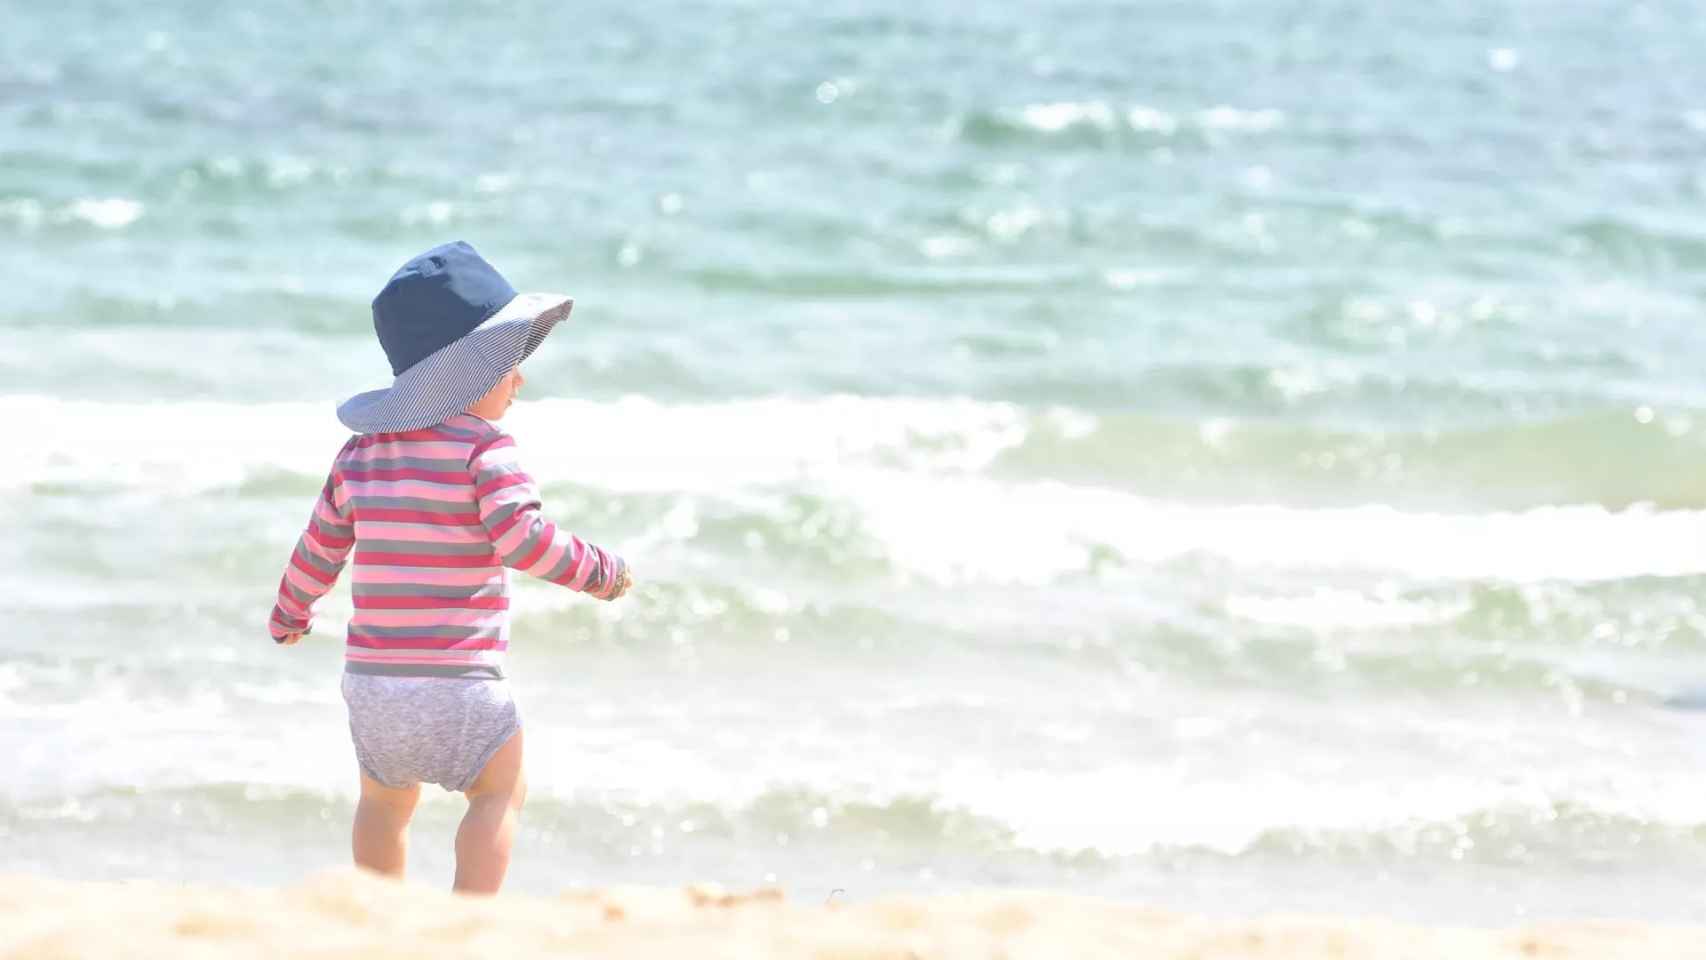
[441, 730]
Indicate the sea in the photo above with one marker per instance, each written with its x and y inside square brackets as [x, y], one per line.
[1229, 456]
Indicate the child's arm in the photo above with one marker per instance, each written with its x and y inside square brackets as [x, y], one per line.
[525, 540]
[314, 566]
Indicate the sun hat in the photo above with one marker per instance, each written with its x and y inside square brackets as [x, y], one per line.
[451, 326]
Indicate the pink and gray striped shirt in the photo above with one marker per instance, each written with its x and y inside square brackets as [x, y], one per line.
[434, 518]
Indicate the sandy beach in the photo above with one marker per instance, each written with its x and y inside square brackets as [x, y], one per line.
[347, 914]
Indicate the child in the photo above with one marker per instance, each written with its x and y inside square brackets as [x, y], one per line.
[432, 501]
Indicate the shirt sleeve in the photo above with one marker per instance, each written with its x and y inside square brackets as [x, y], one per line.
[523, 538]
[314, 565]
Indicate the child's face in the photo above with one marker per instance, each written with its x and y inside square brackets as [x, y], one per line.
[496, 402]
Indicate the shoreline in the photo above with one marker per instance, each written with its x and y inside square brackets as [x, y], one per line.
[345, 913]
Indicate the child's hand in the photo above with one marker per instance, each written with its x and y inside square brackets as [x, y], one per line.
[289, 639]
[624, 580]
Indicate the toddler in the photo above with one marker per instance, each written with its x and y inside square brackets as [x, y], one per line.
[430, 498]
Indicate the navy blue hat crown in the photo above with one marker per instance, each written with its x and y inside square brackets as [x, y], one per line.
[434, 300]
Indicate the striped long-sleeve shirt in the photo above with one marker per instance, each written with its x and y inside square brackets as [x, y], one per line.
[434, 518]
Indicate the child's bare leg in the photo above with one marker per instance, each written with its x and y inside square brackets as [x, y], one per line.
[487, 833]
[381, 835]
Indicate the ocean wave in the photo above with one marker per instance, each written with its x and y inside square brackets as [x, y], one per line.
[1631, 243]
[103, 213]
[928, 485]
[1101, 123]
[641, 445]
[892, 281]
[285, 299]
[1176, 829]
[1451, 658]
[1155, 812]
[956, 530]
[632, 445]
[1583, 458]
[1544, 833]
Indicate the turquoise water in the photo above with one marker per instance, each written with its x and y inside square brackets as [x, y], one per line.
[1229, 455]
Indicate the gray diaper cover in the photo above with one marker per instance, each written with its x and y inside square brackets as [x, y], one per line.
[441, 730]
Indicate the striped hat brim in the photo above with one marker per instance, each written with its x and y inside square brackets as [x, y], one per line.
[461, 372]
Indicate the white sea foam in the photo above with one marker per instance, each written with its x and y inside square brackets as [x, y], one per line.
[1055, 117]
[109, 213]
[1099, 115]
[1134, 810]
[26, 212]
[1242, 121]
[179, 447]
[66, 746]
[632, 445]
[974, 529]
[1327, 609]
